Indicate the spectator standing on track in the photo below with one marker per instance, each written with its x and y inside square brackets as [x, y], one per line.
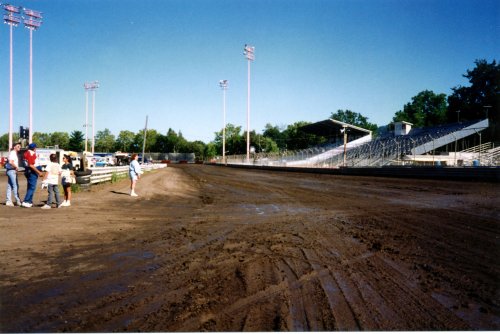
[134, 172]
[12, 167]
[67, 177]
[51, 178]
[32, 172]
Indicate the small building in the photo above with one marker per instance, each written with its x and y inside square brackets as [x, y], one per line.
[402, 128]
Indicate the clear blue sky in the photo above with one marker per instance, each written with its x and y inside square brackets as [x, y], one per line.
[164, 58]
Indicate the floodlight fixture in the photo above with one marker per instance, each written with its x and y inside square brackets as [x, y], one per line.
[223, 84]
[33, 21]
[11, 17]
[90, 86]
[12, 9]
[249, 52]
[33, 13]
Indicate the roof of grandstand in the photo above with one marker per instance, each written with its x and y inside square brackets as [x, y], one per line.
[332, 128]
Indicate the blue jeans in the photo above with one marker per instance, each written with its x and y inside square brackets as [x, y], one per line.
[32, 178]
[53, 189]
[12, 186]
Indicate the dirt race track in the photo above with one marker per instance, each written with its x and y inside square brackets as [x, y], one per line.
[208, 248]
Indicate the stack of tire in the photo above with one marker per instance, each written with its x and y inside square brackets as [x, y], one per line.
[83, 177]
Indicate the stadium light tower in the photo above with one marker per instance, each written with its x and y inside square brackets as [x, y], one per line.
[12, 19]
[32, 22]
[249, 52]
[223, 85]
[90, 86]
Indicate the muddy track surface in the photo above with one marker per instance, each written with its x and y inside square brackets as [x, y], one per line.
[208, 248]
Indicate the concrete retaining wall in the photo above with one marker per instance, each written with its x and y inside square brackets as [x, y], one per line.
[477, 174]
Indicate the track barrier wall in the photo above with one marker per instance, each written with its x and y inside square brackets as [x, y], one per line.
[477, 174]
[105, 174]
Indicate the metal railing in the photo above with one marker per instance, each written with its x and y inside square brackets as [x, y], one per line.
[105, 174]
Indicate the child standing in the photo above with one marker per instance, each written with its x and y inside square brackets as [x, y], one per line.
[51, 178]
[67, 174]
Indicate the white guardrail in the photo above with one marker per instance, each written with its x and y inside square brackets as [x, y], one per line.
[104, 174]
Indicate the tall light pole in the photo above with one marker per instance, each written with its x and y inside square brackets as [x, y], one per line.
[86, 125]
[90, 86]
[12, 20]
[223, 85]
[249, 52]
[32, 22]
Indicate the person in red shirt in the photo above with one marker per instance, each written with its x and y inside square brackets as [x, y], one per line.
[32, 173]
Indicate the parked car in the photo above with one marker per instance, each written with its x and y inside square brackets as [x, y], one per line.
[104, 161]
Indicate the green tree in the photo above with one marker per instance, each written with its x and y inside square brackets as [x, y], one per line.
[484, 90]
[297, 139]
[42, 139]
[480, 100]
[60, 139]
[4, 141]
[104, 141]
[197, 147]
[210, 151]
[425, 109]
[276, 134]
[125, 141]
[235, 141]
[353, 118]
[262, 143]
[172, 141]
[75, 142]
[151, 138]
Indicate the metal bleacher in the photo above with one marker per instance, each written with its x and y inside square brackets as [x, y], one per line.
[390, 149]
[418, 146]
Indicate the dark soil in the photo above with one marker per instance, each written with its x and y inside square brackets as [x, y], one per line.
[208, 248]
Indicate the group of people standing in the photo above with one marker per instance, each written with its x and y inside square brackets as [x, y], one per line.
[32, 171]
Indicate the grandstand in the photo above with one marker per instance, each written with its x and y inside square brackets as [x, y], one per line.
[352, 146]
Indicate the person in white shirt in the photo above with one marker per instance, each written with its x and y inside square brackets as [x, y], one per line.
[51, 179]
[12, 182]
[134, 172]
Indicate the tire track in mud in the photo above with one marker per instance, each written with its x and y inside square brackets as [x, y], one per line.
[231, 254]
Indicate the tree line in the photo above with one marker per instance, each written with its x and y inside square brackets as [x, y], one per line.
[425, 109]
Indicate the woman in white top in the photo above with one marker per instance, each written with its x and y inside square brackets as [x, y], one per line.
[12, 167]
[134, 172]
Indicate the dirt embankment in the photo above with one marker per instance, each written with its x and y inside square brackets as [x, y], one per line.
[221, 249]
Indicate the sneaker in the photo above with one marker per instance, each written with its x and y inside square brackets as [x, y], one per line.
[9, 203]
[68, 203]
[63, 203]
[26, 205]
[133, 194]
[46, 206]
